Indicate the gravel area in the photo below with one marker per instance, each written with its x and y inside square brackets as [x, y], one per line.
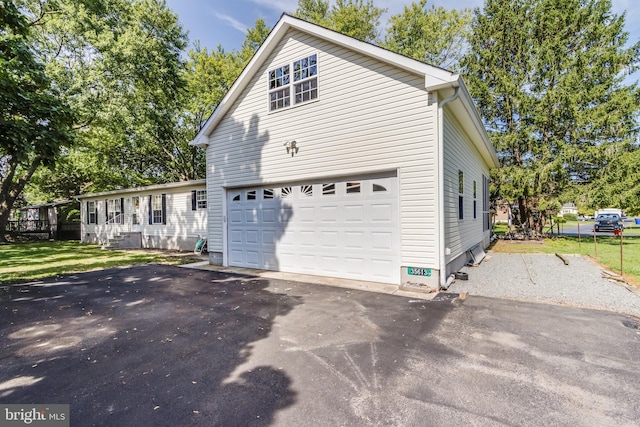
[546, 279]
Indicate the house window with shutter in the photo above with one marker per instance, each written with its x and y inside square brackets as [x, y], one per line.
[157, 213]
[92, 215]
[201, 199]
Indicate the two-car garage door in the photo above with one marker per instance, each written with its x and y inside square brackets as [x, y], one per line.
[340, 228]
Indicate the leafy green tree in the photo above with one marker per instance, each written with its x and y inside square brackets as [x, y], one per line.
[547, 76]
[316, 11]
[619, 185]
[34, 122]
[253, 40]
[356, 18]
[434, 35]
[118, 64]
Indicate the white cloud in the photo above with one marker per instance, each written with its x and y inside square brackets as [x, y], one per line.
[231, 21]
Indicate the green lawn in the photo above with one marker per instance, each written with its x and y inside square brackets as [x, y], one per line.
[30, 261]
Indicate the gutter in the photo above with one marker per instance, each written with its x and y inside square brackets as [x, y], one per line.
[441, 234]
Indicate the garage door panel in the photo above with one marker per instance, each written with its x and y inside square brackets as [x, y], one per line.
[382, 213]
[341, 228]
[331, 264]
[235, 237]
[306, 214]
[307, 239]
[329, 239]
[354, 265]
[381, 268]
[270, 260]
[329, 214]
[268, 216]
[354, 239]
[251, 216]
[252, 237]
[235, 216]
[236, 257]
[269, 239]
[286, 215]
[354, 213]
[382, 240]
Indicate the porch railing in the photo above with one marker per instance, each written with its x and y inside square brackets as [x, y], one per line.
[29, 226]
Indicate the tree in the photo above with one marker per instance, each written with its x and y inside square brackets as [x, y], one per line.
[316, 11]
[547, 78]
[118, 64]
[34, 122]
[253, 40]
[356, 18]
[433, 35]
[211, 74]
[618, 185]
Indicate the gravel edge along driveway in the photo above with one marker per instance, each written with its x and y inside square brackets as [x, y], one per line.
[544, 278]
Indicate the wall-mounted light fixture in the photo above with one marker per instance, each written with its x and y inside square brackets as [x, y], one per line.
[292, 147]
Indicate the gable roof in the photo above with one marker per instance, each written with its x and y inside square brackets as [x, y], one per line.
[435, 78]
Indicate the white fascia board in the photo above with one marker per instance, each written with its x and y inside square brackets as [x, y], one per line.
[434, 76]
[487, 149]
[155, 187]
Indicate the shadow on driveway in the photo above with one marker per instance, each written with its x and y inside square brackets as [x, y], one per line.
[150, 345]
[166, 346]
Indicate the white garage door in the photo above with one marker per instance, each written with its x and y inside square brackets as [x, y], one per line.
[341, 228]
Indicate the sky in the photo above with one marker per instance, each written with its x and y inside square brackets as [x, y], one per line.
[224, 22]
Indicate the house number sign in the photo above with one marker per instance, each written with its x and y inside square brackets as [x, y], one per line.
[415, 271]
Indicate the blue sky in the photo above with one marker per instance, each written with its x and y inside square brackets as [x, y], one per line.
[224, 22]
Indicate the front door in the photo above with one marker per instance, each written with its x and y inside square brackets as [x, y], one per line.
[135, 214]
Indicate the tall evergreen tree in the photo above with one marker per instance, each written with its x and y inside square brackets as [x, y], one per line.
[547, 76]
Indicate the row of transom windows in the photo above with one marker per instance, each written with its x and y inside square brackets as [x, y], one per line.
[329, 189]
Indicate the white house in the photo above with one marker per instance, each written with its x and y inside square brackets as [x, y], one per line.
[164, 216]
[332, 156]
[569, 208]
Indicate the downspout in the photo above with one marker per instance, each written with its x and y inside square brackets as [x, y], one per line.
[441, 233]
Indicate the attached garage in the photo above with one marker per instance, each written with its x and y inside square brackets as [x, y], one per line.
[335, 227]
[332, 156]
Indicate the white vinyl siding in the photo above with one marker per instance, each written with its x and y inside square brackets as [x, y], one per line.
[180, 232]
[460, 155]
[370, 117]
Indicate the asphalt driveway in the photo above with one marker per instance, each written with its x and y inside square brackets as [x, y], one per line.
[166, 346]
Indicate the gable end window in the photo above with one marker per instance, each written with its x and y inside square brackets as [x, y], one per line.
[304, 82]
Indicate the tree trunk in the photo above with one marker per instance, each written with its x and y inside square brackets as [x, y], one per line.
[10, 191]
